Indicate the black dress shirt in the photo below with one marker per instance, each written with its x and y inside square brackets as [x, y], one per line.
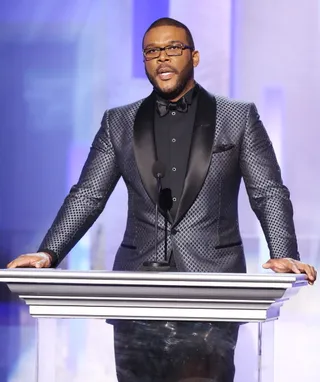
[173, 136]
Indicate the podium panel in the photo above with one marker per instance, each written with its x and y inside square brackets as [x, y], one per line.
[83, 349]
[141, 326]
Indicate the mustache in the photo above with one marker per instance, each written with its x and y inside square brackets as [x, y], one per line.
[167, 67]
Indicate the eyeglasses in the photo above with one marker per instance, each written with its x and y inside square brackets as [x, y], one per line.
[171, 50]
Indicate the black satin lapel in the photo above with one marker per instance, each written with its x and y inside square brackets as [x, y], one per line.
[200, 152]
[144, 145]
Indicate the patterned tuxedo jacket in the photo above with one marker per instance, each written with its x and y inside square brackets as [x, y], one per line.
[229, 143]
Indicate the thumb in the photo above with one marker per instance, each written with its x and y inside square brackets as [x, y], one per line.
[39, 264]
[267, 265]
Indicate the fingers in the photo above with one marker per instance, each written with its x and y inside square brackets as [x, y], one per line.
[20, 262]
[282, 265]
[288, 265]
[310, 272]
[293, 267]
[307, 270]
[39, 260]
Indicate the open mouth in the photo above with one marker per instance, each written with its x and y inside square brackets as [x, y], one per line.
[165, 74]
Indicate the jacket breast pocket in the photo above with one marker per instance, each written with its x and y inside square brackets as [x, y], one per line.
[128, 246]
[225, 160]
[222, 148]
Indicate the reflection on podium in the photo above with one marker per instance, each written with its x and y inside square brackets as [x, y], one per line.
[161, 326]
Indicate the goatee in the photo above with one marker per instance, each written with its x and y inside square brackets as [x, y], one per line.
[185, 76]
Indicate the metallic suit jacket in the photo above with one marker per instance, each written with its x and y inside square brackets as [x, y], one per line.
[229, 144]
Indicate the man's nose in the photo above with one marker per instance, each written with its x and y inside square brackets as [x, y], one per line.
[163, 56]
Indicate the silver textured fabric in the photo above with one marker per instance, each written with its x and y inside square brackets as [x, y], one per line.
[206, 238]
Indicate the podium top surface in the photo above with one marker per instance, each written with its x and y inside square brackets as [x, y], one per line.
[57, 276]
[153, 295]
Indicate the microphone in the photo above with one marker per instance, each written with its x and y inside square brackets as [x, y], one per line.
[158, 171]
[165, 199]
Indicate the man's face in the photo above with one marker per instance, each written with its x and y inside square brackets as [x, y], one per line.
[171, 76]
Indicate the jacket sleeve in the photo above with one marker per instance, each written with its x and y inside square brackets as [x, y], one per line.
[86, 199]
[269, 198]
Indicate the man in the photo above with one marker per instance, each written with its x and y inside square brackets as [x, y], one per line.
[206, 145]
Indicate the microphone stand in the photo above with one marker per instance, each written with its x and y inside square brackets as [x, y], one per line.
[158, 266]
[166, 204]
[157, 217]
[166, 237]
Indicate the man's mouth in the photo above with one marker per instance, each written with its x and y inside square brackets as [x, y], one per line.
[165, 73]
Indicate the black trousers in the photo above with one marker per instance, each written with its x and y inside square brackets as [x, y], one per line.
[162, 351]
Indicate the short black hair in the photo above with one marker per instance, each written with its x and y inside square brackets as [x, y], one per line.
[167, 21]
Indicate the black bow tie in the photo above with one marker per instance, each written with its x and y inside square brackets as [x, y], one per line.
[163, 106]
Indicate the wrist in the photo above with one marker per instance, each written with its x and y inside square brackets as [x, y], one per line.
[51, 255]
[47, 256]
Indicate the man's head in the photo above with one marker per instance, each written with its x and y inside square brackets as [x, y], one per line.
[169, 70]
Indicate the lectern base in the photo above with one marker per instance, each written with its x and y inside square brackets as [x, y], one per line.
[73, 349]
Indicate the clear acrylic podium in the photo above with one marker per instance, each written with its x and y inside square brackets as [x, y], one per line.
[199, 297]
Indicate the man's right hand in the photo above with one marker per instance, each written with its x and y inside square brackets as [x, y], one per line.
[32, 260]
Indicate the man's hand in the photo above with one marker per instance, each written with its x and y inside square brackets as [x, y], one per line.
[288, 265]
[32, 260]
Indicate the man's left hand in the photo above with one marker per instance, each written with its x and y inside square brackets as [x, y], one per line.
[288, 265]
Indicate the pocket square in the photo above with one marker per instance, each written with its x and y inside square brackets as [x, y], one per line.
[223, 147]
